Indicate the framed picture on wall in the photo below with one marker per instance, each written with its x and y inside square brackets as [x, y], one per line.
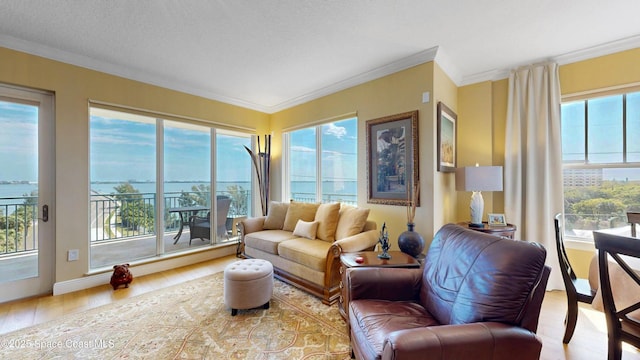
[392, 158]
[446, 150]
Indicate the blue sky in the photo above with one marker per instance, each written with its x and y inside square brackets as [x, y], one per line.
[126, 150]
[339, 147]
[18, 142]
[123, 150]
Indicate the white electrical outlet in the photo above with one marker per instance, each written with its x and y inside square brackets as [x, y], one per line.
[73, 255]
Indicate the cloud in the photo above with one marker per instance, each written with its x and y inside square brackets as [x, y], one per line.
[333, 130]
[299, 148]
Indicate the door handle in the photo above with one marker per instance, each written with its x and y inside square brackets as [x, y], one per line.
[45, 213]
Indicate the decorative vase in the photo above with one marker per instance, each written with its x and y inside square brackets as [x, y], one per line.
[410, 242]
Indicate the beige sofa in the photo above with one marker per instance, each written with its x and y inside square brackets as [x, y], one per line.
[304, 241]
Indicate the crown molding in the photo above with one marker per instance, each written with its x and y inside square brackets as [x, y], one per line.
[608, 48]
[388, 69]
[448, 66]
[611, 47]
[130, 73]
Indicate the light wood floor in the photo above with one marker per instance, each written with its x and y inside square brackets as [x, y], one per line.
[589, 340]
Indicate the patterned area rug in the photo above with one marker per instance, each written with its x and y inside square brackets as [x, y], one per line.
[189, 321]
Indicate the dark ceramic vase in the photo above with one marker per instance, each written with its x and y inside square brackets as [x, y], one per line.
[410, 242]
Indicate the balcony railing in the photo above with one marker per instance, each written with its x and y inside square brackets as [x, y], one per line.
[350, 199]
[118, 216]
[18, 224]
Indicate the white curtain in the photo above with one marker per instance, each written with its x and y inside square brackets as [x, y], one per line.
[533, 159]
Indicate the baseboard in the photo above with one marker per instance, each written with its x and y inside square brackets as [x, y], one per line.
[143, 268]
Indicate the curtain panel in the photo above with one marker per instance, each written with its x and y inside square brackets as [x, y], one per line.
[533, 158]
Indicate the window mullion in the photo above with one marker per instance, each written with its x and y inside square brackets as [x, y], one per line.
[586, 131]
[624, 128]
[319, 163]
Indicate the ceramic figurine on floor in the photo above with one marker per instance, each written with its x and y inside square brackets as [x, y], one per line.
[121, 276]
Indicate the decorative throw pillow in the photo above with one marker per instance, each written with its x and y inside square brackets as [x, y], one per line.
[327, 218]
[306, 229]
[351, 221]
[299, 211]
[276, 215]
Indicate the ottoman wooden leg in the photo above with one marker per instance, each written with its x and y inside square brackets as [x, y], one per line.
[266, 305]
[234, 312]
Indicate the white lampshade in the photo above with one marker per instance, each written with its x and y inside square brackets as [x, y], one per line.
[479, 178]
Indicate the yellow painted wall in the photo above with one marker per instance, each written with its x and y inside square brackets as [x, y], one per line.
[389, 95]
[73, 87]
[475, 140]
[606, 72]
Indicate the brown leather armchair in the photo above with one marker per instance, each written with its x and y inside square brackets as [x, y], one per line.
[477, 297]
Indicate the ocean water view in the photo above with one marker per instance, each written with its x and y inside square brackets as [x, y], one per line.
[346, 190]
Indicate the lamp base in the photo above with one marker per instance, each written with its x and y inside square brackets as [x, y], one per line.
[472, 225]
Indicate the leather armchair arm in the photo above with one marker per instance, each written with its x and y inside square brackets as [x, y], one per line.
[487, 340]
[394, 284]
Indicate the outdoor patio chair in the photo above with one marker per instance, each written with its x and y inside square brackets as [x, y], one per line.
[200, 227]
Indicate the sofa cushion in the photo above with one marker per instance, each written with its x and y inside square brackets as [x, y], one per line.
[351, 221]
[267, 240]
[276, 215]
[306, 229]
[311, 253]
[299, 211]
[327, 218]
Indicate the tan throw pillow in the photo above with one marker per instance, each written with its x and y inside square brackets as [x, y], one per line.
[327, 218]
[299, 211]
[306, 229]
[276, 215]
[351, 222]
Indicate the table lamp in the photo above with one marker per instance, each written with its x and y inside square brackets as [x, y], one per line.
[477, 179]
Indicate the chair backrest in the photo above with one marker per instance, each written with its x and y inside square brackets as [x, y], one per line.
[633, 218]
[223, 203]
[565, 267]
[620, 325]
[470, 277]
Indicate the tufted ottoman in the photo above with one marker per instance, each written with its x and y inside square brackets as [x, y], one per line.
[248, 284]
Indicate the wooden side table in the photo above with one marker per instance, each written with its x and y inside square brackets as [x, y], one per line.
[370, 259]
[507, 231]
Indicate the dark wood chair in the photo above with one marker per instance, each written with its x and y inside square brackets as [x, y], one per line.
[200, 227]
[578, 290]
[620, 326]
[633, 218]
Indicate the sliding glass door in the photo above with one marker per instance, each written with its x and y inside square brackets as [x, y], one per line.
[27, 209]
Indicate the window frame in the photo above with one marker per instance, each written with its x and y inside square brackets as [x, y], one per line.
[586, 164]
[286, 154]
[160, 122]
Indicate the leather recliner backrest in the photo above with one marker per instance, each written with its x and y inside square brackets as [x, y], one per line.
[471, 277]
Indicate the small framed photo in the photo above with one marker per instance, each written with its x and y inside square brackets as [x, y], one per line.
[497, 220]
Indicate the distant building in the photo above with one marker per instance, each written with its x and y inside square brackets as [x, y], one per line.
[582, 177]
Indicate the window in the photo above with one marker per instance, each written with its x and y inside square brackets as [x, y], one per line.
[151, 181]
[321, 163]
[601, 163]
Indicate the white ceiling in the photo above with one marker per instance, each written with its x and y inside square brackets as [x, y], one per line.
[272, 54]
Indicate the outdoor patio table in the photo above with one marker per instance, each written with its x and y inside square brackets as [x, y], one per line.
[189, 211]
